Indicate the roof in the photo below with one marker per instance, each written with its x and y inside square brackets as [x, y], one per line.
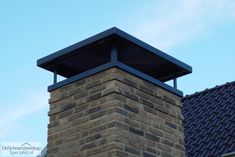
[96, 51]
[209, 121]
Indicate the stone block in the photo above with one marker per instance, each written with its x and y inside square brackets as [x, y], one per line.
[114, 113]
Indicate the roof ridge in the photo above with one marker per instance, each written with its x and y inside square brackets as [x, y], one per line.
[208, 89]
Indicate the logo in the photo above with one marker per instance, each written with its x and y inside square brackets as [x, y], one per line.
[20, 148]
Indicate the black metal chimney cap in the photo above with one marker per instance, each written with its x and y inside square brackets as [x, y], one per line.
[95, 51]
[114, 48]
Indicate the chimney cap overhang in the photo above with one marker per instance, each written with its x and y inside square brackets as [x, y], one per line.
[95, 50]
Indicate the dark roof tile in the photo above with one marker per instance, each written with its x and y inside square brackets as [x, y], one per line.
[209, 121]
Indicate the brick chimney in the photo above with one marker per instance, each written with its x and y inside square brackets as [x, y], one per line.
[114, 101]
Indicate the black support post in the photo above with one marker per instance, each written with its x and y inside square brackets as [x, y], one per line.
[55, 76]
[114, 54]
[175, 83]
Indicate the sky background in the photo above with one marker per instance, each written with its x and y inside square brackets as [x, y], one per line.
[200, 33]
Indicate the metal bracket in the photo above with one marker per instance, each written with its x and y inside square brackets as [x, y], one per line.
[55, 76]
[175, 83]
[114, 54]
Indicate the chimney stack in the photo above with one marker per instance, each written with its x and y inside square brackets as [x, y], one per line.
[114, 101]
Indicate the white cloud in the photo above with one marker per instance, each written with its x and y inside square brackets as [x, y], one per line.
[18, 109]
[172, 23]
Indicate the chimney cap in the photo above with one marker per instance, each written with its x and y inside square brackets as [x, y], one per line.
[94, 51]
[95, 54]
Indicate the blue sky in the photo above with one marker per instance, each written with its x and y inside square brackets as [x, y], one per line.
[198, 32]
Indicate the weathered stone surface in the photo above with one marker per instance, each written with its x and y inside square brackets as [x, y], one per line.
[114, 113]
